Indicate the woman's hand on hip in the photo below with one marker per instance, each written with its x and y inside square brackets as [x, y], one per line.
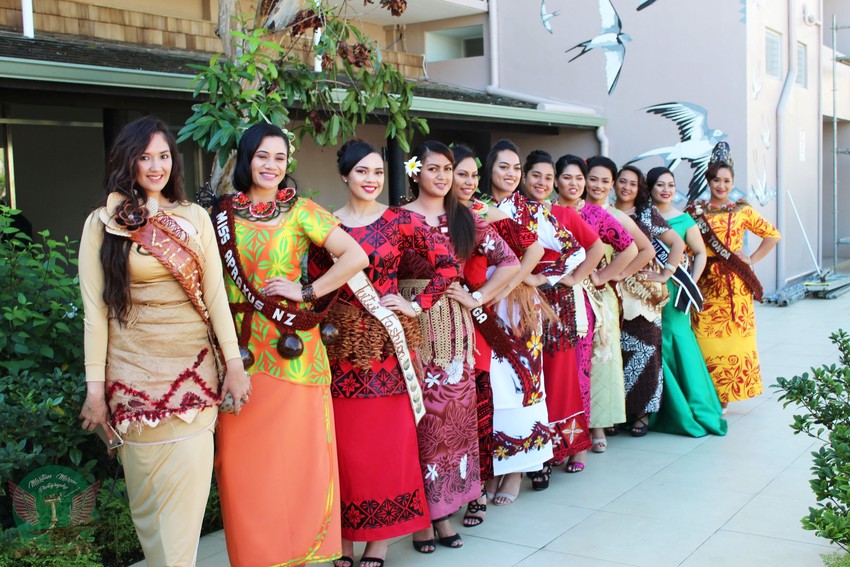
[282, 287]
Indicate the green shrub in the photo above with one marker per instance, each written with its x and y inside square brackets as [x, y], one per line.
[72, 546]
[824, 397]
[836, 560]
[115, 534]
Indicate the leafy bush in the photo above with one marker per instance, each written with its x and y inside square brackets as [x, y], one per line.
[72, 546]
[836, 560]
[115, 534]
[825, 398]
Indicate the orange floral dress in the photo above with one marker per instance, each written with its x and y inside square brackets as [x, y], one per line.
[726, 327]
[276, 464]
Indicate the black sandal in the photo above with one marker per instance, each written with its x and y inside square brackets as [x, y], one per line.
[470, 521]
[453, 541]
[640, 430]
[540, 479]
[421, 546]
[344, 561]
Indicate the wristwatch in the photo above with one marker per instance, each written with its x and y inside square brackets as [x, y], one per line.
[417, 309]
[478, 297]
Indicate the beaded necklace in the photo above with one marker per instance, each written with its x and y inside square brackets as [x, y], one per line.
[265, 211]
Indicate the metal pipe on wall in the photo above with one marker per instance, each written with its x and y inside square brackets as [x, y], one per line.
[781, 141]
[26, 12]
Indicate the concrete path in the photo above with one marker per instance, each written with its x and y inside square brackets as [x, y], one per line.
[664, 499]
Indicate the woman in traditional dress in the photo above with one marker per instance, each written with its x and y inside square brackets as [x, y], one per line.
[570, 181]
[644, 295]
[154, 300]
[566, 389]
[275, 512]
[726, 327]
[448, 434]
[607, 386]
[382, 489]
[522, 437]
[521, 243]
[689, 405]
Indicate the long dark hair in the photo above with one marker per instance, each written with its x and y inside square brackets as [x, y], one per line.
[643, 199]
[248, 144]
[490, 161]
[532, 159]
[121, 170]
[458, 218]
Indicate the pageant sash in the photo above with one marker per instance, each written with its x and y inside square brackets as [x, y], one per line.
[505, 348]
[728, 260]
[689, 292]
[283, 314]
[166, 241]
[365, 292]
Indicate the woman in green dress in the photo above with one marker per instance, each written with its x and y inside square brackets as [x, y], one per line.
[689, 405]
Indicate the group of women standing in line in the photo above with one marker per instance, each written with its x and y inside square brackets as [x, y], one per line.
[473, 334]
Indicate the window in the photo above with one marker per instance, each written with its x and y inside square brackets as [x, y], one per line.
[802, 66]
[773, 54]
[454, 43]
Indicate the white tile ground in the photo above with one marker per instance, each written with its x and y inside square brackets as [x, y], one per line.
[664, 499]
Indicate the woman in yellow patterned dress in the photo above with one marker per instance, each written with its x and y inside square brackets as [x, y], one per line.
[276, 464]
[726, 327]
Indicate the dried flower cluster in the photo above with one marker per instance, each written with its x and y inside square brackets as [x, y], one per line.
[396, 7]
[303, 21]
[357, 54]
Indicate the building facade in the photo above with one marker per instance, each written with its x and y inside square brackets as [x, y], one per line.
[654, 81]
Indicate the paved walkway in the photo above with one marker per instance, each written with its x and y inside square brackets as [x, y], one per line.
[664, 499]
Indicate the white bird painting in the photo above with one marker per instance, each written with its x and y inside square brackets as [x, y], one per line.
[757, 84]
[696, 141]
[765, 133]
[759, 189]
[546, 16]
[610, 40]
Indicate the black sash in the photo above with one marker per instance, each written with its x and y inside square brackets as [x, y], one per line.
[689, 293]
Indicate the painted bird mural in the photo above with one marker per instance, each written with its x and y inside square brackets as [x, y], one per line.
[611, 40]
[646, 4]
[696, 140]
[546, 15]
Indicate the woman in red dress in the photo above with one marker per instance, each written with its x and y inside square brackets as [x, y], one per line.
[381, 485]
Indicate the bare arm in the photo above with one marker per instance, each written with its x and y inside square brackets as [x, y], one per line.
[697, 246]
[593, 256]
[677, 249]
[617, 265]
[645, 250]
[351, 258]
[763, 250]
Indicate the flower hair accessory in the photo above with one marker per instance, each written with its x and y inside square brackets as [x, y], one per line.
[412, 166]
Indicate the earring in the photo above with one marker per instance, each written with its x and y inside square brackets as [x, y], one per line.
[345, 180]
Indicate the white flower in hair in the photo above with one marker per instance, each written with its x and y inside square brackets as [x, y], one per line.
[412, 166]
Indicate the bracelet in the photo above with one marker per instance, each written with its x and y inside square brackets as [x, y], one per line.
[669, 266]
[417, 309]
[307, 293]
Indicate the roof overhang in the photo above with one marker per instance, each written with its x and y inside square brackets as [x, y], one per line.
[419, 11]
[73, 73]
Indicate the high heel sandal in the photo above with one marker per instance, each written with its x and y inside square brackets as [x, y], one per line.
[540, 479]
[469, 520]
[641, 429]
[453, 541]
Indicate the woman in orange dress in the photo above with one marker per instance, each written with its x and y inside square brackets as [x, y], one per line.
[276, 464]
